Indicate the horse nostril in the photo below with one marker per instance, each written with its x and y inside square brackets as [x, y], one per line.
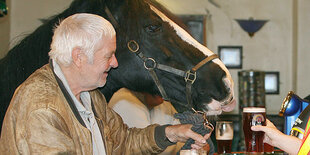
[231, 99]
[228, 89]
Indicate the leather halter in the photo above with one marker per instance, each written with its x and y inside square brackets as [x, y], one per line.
[189, 76]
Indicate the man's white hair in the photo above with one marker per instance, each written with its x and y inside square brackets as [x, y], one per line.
[83, 31]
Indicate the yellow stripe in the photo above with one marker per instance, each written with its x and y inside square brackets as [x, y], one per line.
[308, 125]
[305, 148]
[298, 130]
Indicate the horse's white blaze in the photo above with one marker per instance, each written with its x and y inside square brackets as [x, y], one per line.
[189, 39]
[182, 33]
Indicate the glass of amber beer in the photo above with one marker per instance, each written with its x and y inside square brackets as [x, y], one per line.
[224, 133]
[253, 116]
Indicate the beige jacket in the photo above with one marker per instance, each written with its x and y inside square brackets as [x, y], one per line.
[39, 120]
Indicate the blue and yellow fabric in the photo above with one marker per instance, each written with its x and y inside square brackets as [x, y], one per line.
[305, 146]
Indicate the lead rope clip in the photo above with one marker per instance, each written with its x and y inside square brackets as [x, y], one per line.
[206, 123]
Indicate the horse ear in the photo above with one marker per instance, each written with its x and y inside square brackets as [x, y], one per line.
[114, 6]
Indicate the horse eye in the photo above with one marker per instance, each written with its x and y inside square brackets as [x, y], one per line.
[153, 28]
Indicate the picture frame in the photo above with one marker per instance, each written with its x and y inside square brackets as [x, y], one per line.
[3, 8]
[231, 56]
[196, 26]
[272, 83]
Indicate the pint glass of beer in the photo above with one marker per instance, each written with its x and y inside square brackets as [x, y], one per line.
[224, 133]
[253, 116]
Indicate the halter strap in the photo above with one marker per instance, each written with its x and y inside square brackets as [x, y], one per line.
[201, 63]
[189, 76]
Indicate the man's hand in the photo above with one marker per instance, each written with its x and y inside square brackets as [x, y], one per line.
[272, 134]
[182, 132]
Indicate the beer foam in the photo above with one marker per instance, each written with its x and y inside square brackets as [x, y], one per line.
[253, 109]
[228, 134]
[224, 137]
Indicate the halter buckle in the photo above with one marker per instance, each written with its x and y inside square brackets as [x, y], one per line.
[133, 46]
[190, 77]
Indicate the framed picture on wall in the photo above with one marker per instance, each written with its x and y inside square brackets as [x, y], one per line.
[231, 56]
[3, 8]
[272, 83]
[196, 26]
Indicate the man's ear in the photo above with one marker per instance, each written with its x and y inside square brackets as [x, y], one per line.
[77, 56]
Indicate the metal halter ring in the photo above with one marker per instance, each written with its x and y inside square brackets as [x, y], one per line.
[152, 61]
[133, 46]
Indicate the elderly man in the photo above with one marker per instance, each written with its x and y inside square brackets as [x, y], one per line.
[58, 109]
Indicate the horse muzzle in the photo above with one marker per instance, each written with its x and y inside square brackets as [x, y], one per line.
[217, 107]
[229, 103]
[230, 106]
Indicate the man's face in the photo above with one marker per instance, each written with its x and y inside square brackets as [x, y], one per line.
[95, 74]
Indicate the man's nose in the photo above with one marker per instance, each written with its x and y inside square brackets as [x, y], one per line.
[114, 62]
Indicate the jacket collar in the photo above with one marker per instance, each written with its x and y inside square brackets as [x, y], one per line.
[67, 96]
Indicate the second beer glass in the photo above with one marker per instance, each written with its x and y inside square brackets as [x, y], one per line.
[253, 116]
[224, 133]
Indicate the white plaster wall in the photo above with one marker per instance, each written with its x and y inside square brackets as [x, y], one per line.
[4, 32]
[269, 50]
[303, 55]
[25, 15]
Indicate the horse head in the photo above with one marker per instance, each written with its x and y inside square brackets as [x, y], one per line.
[160, 41]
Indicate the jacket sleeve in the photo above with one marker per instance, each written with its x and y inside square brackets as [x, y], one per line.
[130, 140]
[120, 139]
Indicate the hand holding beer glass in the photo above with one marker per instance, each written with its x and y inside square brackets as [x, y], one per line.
[253, 116]
[224, 133]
